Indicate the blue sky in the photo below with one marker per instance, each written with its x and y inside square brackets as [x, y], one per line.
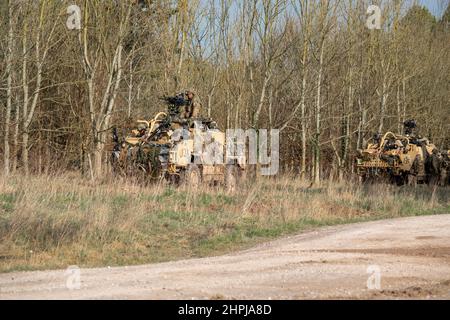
[436, 7]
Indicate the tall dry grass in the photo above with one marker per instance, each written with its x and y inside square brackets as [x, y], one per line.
[56, 221]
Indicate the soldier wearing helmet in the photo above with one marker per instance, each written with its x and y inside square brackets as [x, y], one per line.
[194, 106]
[140, 131]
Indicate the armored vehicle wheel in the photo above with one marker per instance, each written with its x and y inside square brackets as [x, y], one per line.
[400, 180]
[445, 177]
[434, 170]
[411, 180]
[368, 179]
[191, 177]
[435, 164]
[231, 176]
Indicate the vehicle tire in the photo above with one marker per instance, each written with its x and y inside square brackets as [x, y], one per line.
[435, 170]
[368, 179]
[115, 164]
[436, 163]
[401, 180]
[445, 177]
[231, 177]
[191, 177]
[411, 180]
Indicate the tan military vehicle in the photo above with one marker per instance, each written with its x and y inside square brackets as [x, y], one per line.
[182, 151]
[401, 159]
[445, 171]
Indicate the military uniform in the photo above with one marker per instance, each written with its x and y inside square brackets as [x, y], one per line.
[194, 107]
[140, 131]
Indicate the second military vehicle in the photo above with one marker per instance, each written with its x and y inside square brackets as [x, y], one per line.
[401, 159]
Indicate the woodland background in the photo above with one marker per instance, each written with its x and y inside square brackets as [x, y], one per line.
[310, 68]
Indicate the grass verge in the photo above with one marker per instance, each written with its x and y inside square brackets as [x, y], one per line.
[53, 222]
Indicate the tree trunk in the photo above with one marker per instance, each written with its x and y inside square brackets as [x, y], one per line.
[399, 112]
[25, 89]
[183, 11]
[383, 103]
[25, 138]
[384, 95]
[318, 117]
[28, 116]
[362, 115]
[261, 100]
[303, 107]
[16, 138]
[98, 155]
[346, 128]
[130, 84]
[6, 156]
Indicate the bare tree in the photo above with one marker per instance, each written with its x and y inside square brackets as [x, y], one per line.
[42, 44]
[93, 60]
[6, 156]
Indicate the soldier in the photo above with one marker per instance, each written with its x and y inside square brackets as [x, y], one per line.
[180, 101]
[377, 138]
[194, 106]
[140, 131]
[410, 127]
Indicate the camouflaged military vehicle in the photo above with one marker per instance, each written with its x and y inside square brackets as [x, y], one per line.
[400, 159]
[188, 151]
[445, 170]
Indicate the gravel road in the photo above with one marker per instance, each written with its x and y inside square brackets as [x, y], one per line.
[398, 258]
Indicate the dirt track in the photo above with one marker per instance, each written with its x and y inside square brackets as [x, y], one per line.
[412, 254]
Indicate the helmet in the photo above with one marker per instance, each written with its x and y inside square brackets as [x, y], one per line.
[141, 126]
[189, 92]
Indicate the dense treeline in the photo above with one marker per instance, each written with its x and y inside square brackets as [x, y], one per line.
[310, 68]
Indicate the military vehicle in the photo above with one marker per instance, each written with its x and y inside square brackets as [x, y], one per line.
[445, 169]
[400, 158]
[188, 151]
